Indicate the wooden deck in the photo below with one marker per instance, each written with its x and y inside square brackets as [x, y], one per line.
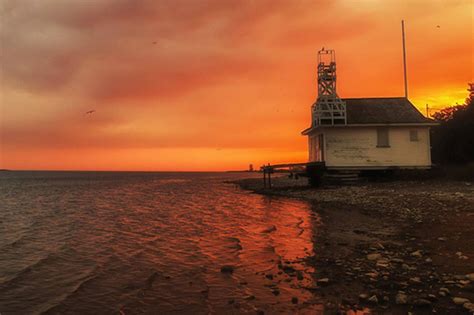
[313, 170]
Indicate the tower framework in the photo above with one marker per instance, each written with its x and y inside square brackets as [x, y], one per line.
[328, 109]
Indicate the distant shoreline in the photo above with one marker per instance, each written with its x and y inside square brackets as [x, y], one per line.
[117, 171]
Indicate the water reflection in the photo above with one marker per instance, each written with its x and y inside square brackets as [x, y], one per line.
[133, 243]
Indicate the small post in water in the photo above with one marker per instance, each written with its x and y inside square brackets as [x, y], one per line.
[264, 177]
[269, 176]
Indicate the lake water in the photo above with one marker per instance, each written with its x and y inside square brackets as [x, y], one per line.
[112, 242]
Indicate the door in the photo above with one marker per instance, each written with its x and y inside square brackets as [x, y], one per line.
[321, 147]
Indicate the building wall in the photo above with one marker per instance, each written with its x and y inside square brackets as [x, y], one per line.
[315, 148]
[357, 147]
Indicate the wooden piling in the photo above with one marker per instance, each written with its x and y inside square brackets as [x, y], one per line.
[313, 170]
[264, 177]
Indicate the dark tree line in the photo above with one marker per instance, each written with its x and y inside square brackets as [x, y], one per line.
[453, 139]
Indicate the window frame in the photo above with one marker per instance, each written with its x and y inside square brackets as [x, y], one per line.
[414, 135]
[383, 142]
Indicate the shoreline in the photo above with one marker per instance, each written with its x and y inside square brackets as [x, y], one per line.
[392, 247]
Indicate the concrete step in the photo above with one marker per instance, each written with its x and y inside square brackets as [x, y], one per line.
[342, 177]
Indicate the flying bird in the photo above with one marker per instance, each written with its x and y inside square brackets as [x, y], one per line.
[90, 112]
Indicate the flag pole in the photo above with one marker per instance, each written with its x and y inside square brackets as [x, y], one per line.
[404, 60]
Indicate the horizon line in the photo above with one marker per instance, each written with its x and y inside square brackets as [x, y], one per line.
[124, 171]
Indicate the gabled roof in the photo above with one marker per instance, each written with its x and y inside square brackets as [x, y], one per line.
[380, 111]
[387, 110]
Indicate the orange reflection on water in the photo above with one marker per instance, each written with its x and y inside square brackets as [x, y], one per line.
[152, 243]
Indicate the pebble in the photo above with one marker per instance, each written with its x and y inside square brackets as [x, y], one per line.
[372, 274]
[401, 298]
[270, 229]
[415, 280]
[227, 269]
[469, 307]
[421, 302]
[363, 296]
[461, 256]
[460, 300]
[406, 267]
[373, 299]
[323, 281]
[299, 275]
[288, 269]
[416, 254]
[374, 256]
[383, 262]
[432, 297]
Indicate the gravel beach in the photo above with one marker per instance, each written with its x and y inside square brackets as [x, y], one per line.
[389, 247]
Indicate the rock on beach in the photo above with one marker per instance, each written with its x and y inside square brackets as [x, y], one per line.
[269, 229]
[227, 269]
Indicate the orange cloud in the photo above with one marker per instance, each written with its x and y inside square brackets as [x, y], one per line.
[206, 84]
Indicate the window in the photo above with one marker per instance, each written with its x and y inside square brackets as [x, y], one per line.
[413, 135]
[382, 138]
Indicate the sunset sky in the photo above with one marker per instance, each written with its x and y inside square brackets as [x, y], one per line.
[207, 85]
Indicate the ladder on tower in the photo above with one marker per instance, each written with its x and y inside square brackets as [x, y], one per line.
[328, 109]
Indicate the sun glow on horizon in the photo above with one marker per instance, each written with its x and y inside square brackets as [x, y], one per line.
[207, 85]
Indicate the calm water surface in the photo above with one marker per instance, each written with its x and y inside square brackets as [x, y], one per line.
[110, 243]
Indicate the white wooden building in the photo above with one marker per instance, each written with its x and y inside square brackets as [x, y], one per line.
[365, 133]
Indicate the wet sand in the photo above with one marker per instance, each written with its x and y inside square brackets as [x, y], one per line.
[393, 247]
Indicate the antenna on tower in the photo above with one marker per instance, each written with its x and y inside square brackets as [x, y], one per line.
[328, 109]
[404, 60]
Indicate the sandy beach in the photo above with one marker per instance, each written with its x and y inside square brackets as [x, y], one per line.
[390, 247]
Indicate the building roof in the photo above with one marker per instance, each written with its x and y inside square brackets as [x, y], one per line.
[380, 111]
[391, 110]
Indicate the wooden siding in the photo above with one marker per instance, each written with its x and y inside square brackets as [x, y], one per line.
[315, 152]
[357, 147]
